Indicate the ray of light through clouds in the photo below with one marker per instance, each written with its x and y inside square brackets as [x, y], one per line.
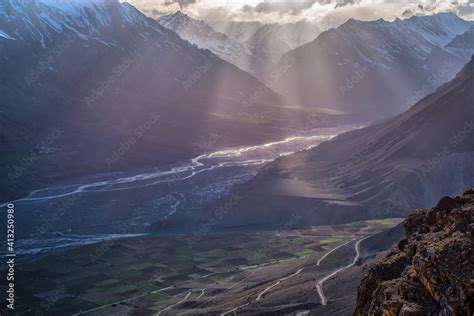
[329, 13]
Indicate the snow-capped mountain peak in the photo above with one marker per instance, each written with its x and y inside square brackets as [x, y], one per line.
[369, 61]
[195, 31]
[41, 20]
[439, 29]
[204, 36]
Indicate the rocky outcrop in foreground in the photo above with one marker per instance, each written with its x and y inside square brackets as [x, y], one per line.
[431, 270]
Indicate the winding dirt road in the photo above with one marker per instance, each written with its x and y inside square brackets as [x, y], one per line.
[330, 252]
[320, 284]
[175, 304]
[260, 295]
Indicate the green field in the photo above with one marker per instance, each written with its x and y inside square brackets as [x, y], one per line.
[156, 269]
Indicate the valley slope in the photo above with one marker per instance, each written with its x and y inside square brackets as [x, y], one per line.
[379, 171]
[96, 86]
[376, 69]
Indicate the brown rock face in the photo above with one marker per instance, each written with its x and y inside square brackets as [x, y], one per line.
[431, 271]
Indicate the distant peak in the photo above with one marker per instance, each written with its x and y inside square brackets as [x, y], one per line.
[436, 16]
[352, 22]
[358, 23]
[174, 16]
[180, 13]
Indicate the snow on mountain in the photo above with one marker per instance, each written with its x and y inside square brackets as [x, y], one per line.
[90, 29]
[249, 45]
[42, 20]
[440, 28]
[103, 68]
[382, 41]
[292, 34]
[238, 30]
[190, 29]
[271, 41]
[374, 69]
[204, 36]
[5, 35]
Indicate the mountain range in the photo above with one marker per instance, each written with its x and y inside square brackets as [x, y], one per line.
[370, 70]
[239, 30]
[271, 41]
[107, 71]
[381, 171]
[204, 36]
[99, 70]
[253, 47]
[174, 166]
[379, 68]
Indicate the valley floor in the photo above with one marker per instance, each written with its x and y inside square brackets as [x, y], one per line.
[270, 272]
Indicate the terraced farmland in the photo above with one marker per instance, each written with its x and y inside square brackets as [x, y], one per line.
[155, 274]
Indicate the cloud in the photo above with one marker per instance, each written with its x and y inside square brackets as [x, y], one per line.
[181, 3]
[292, 7]
[284, 7]
[464, 8]
[343, 3]
[467, 10]
[155, 8]
[329, 13]
[157, 12]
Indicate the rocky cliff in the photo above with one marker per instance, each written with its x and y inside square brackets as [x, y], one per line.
[430, 271]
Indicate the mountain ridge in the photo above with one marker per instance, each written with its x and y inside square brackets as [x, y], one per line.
[379, 171]
[204, 36]
[373, 69]
[126, 67]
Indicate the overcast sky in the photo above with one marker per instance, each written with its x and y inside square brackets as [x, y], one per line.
[329, 11]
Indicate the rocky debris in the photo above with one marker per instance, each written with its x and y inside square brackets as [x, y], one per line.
[430, 271]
